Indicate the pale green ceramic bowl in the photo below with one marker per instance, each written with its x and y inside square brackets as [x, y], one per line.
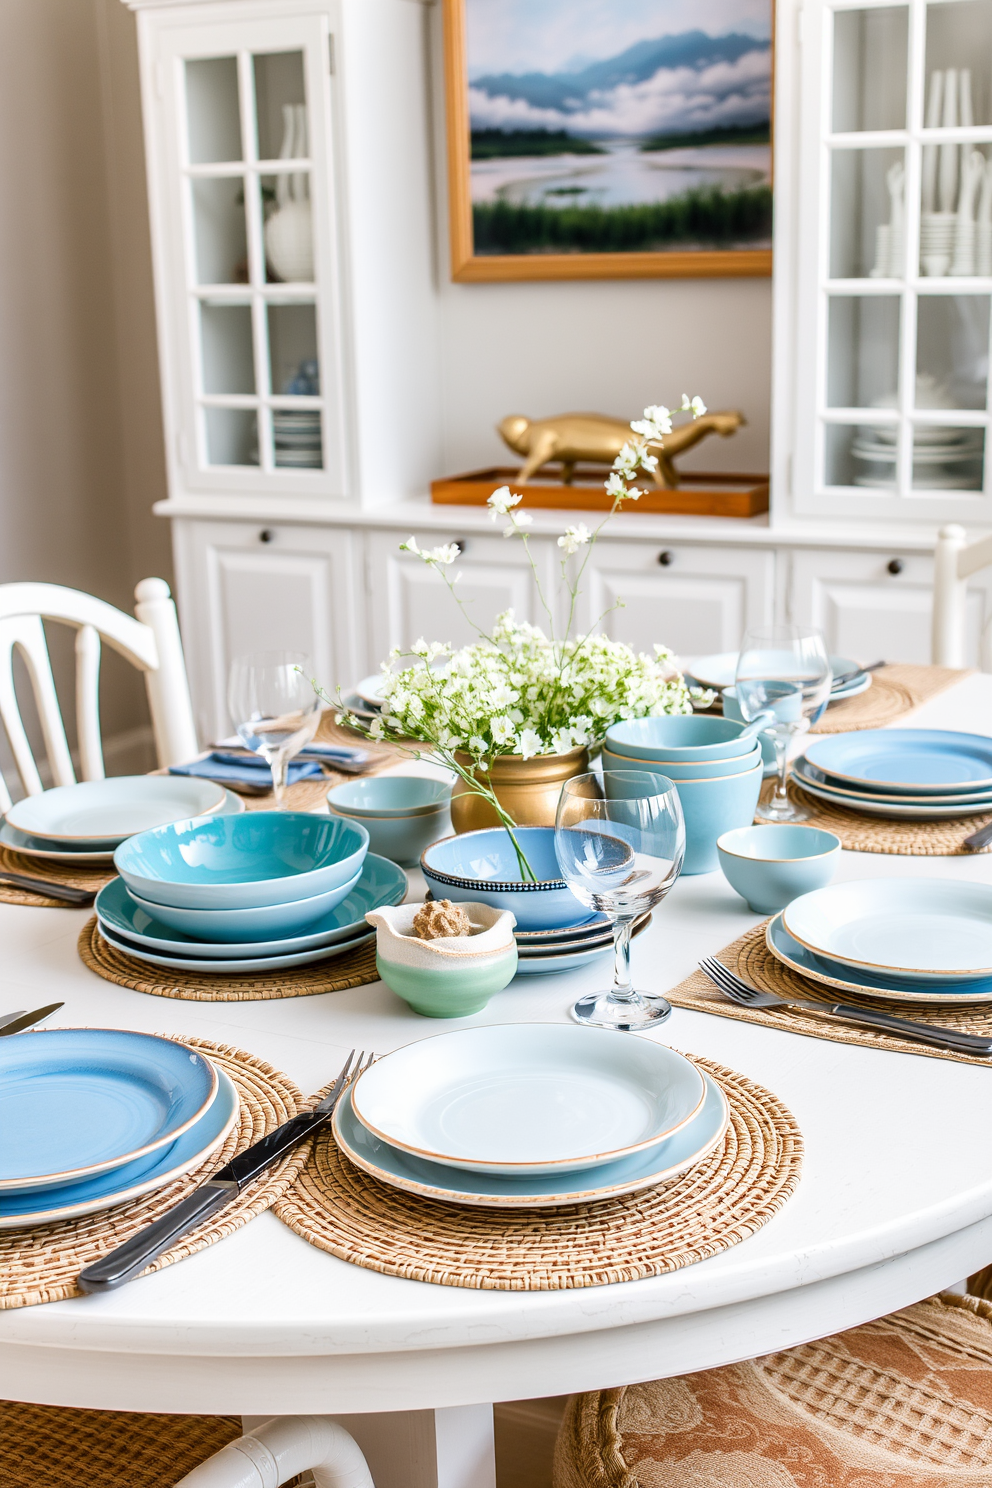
[449, 991]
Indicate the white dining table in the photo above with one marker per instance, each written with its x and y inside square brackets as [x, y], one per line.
[895, 1203]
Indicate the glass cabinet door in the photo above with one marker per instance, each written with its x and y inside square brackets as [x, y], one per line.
[252, 173]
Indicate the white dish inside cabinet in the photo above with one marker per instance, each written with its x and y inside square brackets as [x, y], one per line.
[884, 265]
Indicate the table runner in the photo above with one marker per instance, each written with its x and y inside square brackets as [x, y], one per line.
[40, 1263]
[750, 957]
[352, 969]
[896, 689]
[727, 1197]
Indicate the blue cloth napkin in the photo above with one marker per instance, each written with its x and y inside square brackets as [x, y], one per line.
[252, 770]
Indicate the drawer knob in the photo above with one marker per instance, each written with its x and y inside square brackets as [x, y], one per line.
[895, 565]
[266, 535]
[666, 558]
[459, 546]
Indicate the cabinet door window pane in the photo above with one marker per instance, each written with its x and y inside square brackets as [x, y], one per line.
[279, 87]
[225, 338]
[867, 212]
[952, 351]
[959, 37]
[861, 455]
[870, 53]
[297, 438]
[232, 436]
[219, 230]
[288, 228]
[863, 351]
[212, 116]
[947, 459]
[293, 350]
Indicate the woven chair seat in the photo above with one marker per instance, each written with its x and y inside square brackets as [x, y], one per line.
[903, 1402]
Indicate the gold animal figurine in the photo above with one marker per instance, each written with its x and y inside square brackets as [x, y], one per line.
[570, 437]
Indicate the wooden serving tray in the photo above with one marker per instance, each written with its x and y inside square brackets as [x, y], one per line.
[701, 494]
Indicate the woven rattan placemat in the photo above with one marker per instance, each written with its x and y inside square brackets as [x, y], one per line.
[727, 1197]
[41, 1262]
[353, 969]
[753, 961]
[75, 878]
[859, 832]
[895, 690]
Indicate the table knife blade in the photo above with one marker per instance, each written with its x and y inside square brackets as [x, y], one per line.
[20, 1021]
[943, 1038]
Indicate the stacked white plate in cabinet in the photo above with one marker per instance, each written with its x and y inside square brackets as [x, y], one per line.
[900, 773]
[529, 1116]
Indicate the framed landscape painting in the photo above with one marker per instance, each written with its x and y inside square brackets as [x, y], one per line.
[609, 139]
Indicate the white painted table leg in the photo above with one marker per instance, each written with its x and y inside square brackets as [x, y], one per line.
[449, 1448]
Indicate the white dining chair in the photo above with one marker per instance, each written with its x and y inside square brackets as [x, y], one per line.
[150, 642]
[279, 1450]
[955, 560]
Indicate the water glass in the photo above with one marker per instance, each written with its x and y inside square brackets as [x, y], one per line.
[783, 670]
[620, 841]
[275, 708]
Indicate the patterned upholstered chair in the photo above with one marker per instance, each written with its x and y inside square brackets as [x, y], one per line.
[903, 1402]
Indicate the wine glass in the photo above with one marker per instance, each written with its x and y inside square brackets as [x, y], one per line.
[275, 708]
[785, 670]
[620, 841]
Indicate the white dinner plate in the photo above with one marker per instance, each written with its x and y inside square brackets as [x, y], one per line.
[891, 809]
[369, 690]
[430, 1180]
[851, 979]
[527, 1098]
[41, 847]
[234, 966]
[922, 929]
[97, 814]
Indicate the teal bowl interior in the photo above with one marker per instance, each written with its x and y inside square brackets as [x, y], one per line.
[389, 795]
[678, 737]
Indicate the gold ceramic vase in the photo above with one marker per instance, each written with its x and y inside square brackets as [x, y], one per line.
[527, 789]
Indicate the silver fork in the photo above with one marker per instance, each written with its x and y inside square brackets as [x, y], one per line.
[731, 985]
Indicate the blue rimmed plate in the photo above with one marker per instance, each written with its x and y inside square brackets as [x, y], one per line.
[84, 1101]
[807, 773]
[454, 1186]
[381, 883]
[534, 962]
[851, 979]
[44, 847]
[905, 761]
[236, 966]
[909, 809]
[43, 1206]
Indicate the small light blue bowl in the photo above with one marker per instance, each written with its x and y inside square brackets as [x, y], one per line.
[771, 865]
[401, 838]
[712, 807]
[670, 738]
[482, 866]
[732, 709]
[679, 770]
[242, 862]
[389, 795]
[266, 922]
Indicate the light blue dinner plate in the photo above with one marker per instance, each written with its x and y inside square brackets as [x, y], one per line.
[82, 1101]
[381, 883]
[42, 1206]
[236, 966]
[720, 670]
[458, 1186]
[964, 795]
[905, 761]
[909, 809]
[852, 979]
[534, 962]
[44, 847]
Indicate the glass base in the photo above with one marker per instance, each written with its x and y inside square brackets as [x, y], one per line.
[601, 1010]
[771, 811]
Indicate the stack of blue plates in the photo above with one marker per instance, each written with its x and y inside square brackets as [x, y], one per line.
[719, 672]
[540, 952]
[101, 1117]
[900, 773]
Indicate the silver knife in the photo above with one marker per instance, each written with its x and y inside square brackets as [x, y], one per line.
[943, 1038]
[17, 1022]
[124, 1263]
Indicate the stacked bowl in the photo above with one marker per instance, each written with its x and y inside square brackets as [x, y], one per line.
[256, 892]
[529, 1116]
[402, 814]
[554, 931]
[714, 763]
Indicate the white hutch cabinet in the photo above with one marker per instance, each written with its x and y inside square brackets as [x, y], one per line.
[297, 265]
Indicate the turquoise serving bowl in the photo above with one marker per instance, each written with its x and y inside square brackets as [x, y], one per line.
[771, 865]
[679, 770]
[670, 738]
[482, 866]
[389, 795]
[267, 922]
[712, 807]
[403, 838]
[243, 862]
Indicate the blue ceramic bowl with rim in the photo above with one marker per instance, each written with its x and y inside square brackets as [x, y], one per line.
[243, 862]
[679, 770]
[712, 807]
[403, 838]
[482, 866]
[773, 864]
[669, 738]
[266, 922]
[389, 795]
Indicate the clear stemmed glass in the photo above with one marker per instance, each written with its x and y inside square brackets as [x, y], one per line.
[620, 841]
[783, 669]
[275, 708]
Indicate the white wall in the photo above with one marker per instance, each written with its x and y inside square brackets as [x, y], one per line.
[608, 346]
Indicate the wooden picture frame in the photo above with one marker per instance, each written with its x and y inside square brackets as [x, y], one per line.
[469, 267]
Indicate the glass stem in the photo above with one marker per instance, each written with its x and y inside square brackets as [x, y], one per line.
[279, 763]
[622, 991]
[781, 742]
